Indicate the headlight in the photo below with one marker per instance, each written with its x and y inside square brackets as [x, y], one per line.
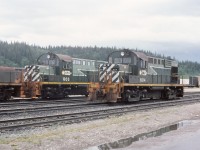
[143, 72]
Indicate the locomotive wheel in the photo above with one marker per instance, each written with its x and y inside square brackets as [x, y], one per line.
[169, 95]
[134, 99]
[7, 95]
[129, 98]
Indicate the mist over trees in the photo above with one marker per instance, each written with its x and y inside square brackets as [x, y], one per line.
[20, 54]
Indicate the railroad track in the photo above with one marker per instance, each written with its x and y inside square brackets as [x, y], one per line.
[62, 107]
[29, 123]
[34, 103]
[59, 106]
[196, 92]
[40, 102]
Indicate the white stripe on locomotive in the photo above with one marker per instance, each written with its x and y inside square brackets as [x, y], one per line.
[107, 71]
[25, 73]
[115, 77]
[29, 72]
[36, 75]
[107, 68]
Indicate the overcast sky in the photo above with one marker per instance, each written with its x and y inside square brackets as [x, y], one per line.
[170, 27]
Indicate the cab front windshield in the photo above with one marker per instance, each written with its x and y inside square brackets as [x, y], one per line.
[122, 60]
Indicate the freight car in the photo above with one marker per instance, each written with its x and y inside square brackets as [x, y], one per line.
[132, 76]
[194, 81]
[10, 82]
[57, 76]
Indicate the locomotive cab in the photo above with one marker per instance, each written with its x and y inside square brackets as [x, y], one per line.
[50, 68]
[130, 63]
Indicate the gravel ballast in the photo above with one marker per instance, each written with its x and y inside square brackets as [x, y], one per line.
[93, 133]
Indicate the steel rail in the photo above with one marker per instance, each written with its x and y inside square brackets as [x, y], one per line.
[50, 108]
[38, 102]
[16, 124]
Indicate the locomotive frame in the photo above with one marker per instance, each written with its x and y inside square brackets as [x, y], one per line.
[132, 76]
[58, 76]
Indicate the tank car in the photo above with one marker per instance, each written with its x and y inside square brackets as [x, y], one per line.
[132, 76]
[10, 82]
[58, 76]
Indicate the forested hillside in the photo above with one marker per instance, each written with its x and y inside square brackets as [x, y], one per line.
[21, 54]
[189, 68]
[18, 54]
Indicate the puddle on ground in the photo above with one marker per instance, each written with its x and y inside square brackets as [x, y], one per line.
[123, 143]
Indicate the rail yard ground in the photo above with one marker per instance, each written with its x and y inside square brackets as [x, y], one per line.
[93, 133]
